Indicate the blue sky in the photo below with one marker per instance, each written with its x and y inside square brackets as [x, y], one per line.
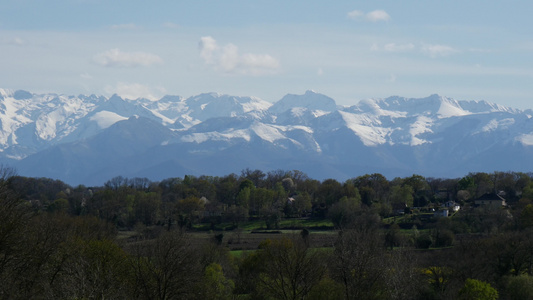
[348, 50]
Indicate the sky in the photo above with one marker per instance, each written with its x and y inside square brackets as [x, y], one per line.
[347, 50]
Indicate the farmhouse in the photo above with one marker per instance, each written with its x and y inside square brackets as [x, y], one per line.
[452, 205]
[491, 200]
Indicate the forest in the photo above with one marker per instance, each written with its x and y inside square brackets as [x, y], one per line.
[273, 235]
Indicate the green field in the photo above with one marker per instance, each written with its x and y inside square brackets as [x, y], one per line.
[285, 224]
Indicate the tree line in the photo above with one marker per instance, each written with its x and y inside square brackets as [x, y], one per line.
[257, 195]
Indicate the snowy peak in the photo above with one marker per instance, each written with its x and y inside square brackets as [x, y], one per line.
[118, 105]
[433, 105]
[17, 95]
[213, 105]
[170, 109]
[105, 118]
[483, 106]
[207, 131]
[417, 121]
[310, 100]
[449, 107]
[367, 129]
[4, 93]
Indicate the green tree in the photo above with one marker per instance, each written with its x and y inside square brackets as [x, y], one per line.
[368, 195]
[256, 176]
[189, 210]
[226, 189]
[377, 182]
[326, 289]
[205, 187]
[477, 290]
[393, 236]
[215, 285]
[261, 199]
[417, 182]
[246, 183]
[484, 183]
[344, 212]
[251, 267]
[402, 194]
[466, 183]
[519, 287]
[243, 197]
[236, 215]
[59, 205]
[526, 216]
[329, 192]
[528, 192]
[506, 182]
[302, 203]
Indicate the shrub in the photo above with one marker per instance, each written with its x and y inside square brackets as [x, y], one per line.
[520, 287]
[424, 241]
[477, 290]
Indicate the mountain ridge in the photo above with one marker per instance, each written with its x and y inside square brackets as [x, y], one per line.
[50, 135]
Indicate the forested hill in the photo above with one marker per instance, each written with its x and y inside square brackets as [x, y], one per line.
[275, 235]
[253, 193]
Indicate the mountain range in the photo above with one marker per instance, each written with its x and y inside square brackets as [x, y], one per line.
[88, 139]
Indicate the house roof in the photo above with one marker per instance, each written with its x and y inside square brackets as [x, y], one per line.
[490, 197]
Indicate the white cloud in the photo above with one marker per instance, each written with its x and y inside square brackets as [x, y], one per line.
[129, 26]
[355, 14]
[117, 58]
[135, 90]
[228, 59]
[438, 50]
[393, 47]
[373, 16]
[320, 72]
[260, 61]
[378, 15]
[208, 46]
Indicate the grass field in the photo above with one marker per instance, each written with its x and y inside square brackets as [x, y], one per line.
[285, 224]
[250, 234]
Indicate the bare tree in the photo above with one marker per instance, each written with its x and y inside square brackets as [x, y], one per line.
[167, 267]
[358, 263]
[290, 269]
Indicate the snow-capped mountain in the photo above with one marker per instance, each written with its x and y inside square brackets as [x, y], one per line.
[89, 139]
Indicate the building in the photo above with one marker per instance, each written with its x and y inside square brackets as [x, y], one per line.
[452, 205]
[491, 200]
